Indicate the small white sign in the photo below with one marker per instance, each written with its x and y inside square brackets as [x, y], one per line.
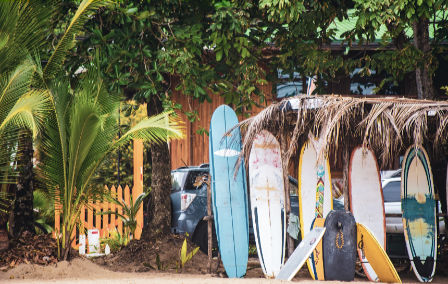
[93, 236]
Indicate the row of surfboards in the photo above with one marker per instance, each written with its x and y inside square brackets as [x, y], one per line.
[330, 241]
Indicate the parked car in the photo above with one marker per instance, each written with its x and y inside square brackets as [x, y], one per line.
[392, 204]
[189, 204]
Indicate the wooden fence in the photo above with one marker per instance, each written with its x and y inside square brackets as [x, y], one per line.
[108, 223]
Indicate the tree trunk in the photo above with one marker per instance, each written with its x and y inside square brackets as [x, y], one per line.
[23, 204]
[159, 202]
[423, 76]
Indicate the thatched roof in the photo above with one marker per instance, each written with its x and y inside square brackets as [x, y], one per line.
[384, 124]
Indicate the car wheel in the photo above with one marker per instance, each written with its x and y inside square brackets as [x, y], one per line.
[200, 237]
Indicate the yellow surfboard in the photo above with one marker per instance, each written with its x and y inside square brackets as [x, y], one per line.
[311, 183]
[318, 255]
[372, 251]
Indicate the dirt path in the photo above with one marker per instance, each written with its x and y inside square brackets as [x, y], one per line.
[82, 270]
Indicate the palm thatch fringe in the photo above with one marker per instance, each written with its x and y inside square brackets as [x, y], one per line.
[384, 124]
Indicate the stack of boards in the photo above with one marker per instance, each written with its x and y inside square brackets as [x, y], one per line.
[321, 228]
[330, 254]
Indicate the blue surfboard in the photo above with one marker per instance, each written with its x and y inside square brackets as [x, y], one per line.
[229, 192]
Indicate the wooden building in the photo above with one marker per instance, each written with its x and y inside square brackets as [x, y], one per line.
[193, 149]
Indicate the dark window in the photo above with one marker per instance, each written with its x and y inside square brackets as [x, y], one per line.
[289, 84]
[392, 192]
[192, 179]
[370, 82]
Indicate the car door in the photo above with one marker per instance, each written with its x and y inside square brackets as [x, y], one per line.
[177, 181]
[392, 205]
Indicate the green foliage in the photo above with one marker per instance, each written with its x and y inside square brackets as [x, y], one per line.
[184, 257]
[43, 212]
[116, 241]
[22, 30]
[5, 202]
[107, 173]
[79, 135]
[129, 212]
[445, 88]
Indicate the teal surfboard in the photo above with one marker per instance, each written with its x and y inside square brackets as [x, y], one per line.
[229, 192]
[419, 212]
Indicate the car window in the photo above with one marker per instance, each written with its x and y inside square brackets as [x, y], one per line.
[177, 179]
[191, 179]
[292, 188]
[392, 192]
[396, 174]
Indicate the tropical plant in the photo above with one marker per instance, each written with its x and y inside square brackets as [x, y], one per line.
[184, 257]
[129, 212]
[79, 134]
[23, 27]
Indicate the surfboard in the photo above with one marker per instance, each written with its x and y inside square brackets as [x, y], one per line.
[314, 190]
[419, 212]
[267, 196]
[317, 255]
[371, 250]
[366, 199]
[301, 254]
[229, 192]
[339, 246]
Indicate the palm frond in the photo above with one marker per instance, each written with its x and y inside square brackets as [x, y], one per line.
[23, 28]
[159, 128]
[67, 41]
[13, 86]
[29, 111]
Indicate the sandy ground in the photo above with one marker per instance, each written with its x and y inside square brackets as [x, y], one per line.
[82, 270]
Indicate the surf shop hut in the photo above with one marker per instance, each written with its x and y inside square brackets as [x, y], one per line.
[338, 124]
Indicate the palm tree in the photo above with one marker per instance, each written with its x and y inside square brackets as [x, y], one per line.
[22, 30]
[79, 134]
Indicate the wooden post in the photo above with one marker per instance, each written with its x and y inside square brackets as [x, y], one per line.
[126, 201]
[82, 218]
[137, 189]
[284, 149]
[120, 210]
[209, 225]
[57, 217]
[98, 216]
[105, 228]
[345, 174]
[90, 216]
[113, 217]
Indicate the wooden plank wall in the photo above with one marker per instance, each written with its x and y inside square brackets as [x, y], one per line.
[193, 149]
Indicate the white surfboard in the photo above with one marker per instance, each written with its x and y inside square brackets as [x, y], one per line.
[301, 254]
[366, 199]
[267, 197]
[311, 176]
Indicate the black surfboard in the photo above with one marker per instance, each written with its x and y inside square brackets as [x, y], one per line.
[339, 246]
